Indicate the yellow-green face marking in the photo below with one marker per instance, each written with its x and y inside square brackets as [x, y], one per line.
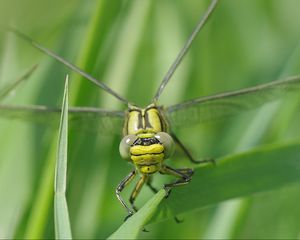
[148, 159]
[146, 144]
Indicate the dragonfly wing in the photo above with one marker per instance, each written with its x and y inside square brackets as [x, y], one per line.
[96, 119]
[229, 103]
[7, 89]
[81, 118]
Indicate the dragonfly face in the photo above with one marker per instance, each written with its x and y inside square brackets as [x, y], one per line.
[146, 143]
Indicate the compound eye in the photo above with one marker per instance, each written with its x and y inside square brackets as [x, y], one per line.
[125, 146]
[168, 143]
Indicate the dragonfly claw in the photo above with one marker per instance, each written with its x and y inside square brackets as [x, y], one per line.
[212, 161]
[177, 220]
[128, 216]
[168, 191]
[208, 160]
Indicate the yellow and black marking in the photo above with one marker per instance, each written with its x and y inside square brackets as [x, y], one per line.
[147, 155]
[144, 120]
[145, 130]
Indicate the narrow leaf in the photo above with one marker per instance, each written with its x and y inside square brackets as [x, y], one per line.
[61, 215]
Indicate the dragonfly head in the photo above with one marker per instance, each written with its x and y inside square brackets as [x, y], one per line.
[147, 150]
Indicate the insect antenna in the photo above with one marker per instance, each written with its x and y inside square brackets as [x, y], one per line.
[67, 64]
[185, 49]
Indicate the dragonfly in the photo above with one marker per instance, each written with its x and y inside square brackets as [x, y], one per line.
[148, 136]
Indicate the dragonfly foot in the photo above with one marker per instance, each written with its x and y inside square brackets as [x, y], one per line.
[209, 160]
[177, 220]
[128, 216]
[212, 161]
[168, 191]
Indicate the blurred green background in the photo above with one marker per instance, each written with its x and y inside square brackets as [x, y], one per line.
[130, 45]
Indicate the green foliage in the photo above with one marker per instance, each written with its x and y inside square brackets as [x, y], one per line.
[129, 45]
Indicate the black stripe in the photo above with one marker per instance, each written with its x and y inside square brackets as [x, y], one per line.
[136, 155]
[147, 122]
[134, 109]
[162, 125]
[140, 125]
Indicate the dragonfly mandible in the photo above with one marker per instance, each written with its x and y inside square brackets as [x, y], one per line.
[148, 138]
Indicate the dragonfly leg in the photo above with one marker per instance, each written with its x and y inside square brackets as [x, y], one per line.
[188, 154]
[137, 190]
[120, 188]
[154, 190]
[149, 184]
[187, 171]
[184, 178]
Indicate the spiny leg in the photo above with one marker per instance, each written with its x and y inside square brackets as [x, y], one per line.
[184, 175]
[137, 190]
[187, 171]
[188, 154]
[183, 178]
[154, 190]
[120, 188]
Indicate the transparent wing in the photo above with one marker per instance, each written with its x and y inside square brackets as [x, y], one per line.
[7, 89]
[66, 63]
[81, 118]
[229, 103]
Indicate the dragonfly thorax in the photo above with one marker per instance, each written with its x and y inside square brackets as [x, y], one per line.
[144, 120]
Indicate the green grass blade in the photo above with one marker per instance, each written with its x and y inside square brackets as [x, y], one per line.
[61, 215]
[239, 175]
[131, 228]
[37, 219]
